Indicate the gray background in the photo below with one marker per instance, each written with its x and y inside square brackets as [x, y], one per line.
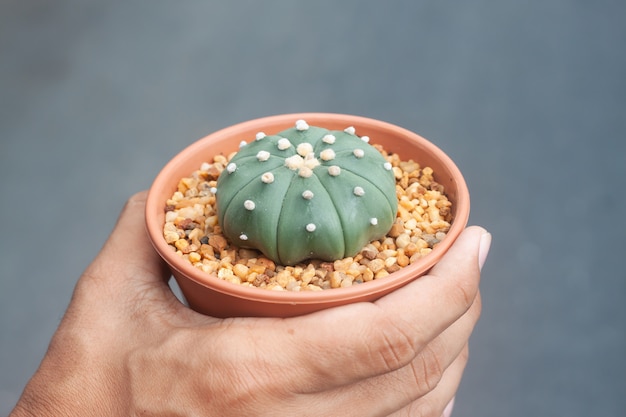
[528, 97]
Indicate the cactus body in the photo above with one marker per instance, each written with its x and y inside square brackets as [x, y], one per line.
[306, 193]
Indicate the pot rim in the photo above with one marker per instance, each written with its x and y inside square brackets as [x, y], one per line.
[397, 279]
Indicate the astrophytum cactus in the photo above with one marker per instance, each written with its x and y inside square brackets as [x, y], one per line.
[305, 193]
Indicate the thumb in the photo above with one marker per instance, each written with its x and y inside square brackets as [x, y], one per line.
[127, 275]
[128, 256]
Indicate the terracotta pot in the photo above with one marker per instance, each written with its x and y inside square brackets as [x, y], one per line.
[209, 295]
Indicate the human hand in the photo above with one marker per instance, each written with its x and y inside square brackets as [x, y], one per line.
[126, 346]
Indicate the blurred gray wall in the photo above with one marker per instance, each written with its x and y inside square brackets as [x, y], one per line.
[528, 97]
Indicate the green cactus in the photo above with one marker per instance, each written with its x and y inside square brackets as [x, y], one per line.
[306, 192]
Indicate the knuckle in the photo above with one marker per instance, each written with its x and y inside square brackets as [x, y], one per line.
[463, 295]
[427, 370]
[397, 345]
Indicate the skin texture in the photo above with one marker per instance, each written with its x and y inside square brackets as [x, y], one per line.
[127, 346]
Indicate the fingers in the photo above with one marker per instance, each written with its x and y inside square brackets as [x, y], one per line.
[368, 339]
[385, 354]
[424, 374]
[440, 401]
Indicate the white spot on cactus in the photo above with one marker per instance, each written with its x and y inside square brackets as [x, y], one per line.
[305, 172]
[243, 236]
[302, 125]
[350, 130]
[294, 162]
[304, 165]
[310, 227]
[365, 139]
[260, 135]
[263, 156]
[249, 205]
[330, 139]
[242, 144]
[387, 166]
[267, 178]
[283, 144]
[334, 170]
[232, 167]
[310, 161]
[307, 194]
[327, 155]
[304, 149]
[373, 221]
[359, 153]
[358, 191]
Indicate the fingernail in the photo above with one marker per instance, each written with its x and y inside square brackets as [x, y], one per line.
[483, 249]
[447, 412]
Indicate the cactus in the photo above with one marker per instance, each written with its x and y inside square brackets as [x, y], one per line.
[305, 193]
